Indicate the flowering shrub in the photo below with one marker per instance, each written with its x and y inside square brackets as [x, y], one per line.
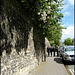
[45, 14]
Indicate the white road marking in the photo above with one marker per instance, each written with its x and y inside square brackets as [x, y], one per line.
[72, 71]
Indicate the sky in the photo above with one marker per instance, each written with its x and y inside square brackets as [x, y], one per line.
[68, 20]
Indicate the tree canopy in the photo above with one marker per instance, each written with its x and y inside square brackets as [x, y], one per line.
[46, 15]
[68, 41]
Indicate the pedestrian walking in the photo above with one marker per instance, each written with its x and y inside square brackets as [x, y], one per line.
[51, 51]
[54, 50]
[57, 50]
[48, 50]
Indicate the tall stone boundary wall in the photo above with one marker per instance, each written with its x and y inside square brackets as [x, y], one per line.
[21, 48]
[19, 64]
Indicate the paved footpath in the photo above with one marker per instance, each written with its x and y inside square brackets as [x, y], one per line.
[52, 66]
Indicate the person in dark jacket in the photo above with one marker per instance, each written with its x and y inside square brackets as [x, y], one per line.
[48, 50]
[57, 50]
[54, 50]
[51, 50]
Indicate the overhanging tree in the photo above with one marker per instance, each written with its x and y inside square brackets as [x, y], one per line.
[46, 16]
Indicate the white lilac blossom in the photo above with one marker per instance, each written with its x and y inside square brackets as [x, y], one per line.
[46, 0]
[43, 14]
[38, 13]
[54, 16]
[48, 17]
[43, 17]
[48, 7]
[49, 3]
[53, 2]
[48, 12]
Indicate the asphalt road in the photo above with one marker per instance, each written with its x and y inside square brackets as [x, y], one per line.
[70, 66]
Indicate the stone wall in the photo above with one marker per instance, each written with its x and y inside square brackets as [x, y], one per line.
[22, 48]
[19, 64]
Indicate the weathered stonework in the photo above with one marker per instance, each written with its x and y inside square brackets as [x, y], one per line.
[19, 64]
[22, 49]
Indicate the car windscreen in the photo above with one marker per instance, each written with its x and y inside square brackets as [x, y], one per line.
[69, 49]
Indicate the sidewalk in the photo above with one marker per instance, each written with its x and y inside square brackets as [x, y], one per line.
[52, 66]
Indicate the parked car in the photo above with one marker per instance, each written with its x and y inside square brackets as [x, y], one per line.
[67, 54]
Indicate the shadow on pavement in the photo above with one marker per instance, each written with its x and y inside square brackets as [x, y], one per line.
[58, 60]
[68, 63]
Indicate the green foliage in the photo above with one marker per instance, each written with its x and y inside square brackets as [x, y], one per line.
[52, 43]
[46, 16]
[68, 41]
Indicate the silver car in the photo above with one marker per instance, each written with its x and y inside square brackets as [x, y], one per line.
[67, 54]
